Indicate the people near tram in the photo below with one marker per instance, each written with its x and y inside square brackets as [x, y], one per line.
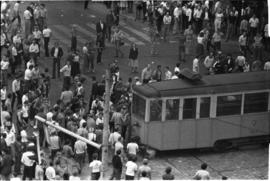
[145, 168]
[95, 167]
[168, 174]
[146, 74]
[117, 166]
[202, 174]
[131, 168]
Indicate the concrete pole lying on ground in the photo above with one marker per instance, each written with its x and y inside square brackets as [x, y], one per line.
[98, 146]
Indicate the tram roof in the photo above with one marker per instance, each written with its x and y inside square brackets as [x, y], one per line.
[210, 84]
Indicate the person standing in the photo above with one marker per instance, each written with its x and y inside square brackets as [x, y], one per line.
[109, 23]
[34, 50]
[99, 48]
[28, 160]
[117, 166]
[95, 167]
[189, 38]
[50, 172]
[46, 35]
[66, 70]
[202, 174]
[133, 57]
[73, 38]
[56, 53]
[131, 168]
[117, 39]
[167, 19]
[80, 149]
[168, 175]
[258, 47]
[146, 74]
[144, 168]
[253, 25]
[6, 164]
[16, 91]
[27, 22]
[101, 32]
[217, 40]
[218, 19]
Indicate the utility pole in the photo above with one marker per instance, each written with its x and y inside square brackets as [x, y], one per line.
[106, 131]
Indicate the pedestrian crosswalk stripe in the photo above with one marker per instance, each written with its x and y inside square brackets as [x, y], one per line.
[85, 32]
[80, 40]
[138, 33]
[59, 36]
[127, 36]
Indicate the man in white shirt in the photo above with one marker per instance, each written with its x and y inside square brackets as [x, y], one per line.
[168, 73]
[167, 19]
[80, 148]
[195, 66]
[177, 13]
[253, 24]
[28, 160]
[34, 50]
[132, 148]
[47, 32]
[50, 172]
[95, 167]
[202, 174]
[27, 21]
[131, 168]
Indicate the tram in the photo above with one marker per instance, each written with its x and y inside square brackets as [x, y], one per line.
[217, 111]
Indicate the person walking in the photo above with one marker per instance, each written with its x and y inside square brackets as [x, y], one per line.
[133, 58]
[95, 167]
[131, 168]
[202, 174]
[188, 34]
[117, 40]
[99, 48]
[258, 47]
[117, 166]
[47, 32]
[109, 23]
[27, 23]
[56, 53]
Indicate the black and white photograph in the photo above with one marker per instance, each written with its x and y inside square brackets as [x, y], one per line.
[135, 90]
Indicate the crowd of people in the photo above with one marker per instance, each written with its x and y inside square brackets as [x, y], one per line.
[26, 85]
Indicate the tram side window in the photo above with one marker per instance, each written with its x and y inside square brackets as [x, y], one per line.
[155, 110]
[172, 109]
[229, 105]
[138, 106]
[256, 102]
[205, 107]
[189, 110]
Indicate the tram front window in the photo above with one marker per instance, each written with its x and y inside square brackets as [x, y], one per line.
[155, 110]
[138, 106]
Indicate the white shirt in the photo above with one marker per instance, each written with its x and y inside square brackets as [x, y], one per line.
[3, 94]
[27, 14]
[177, 69]
[114, 137]
[132, 148]
[202, 175]
[66, 70]
[4, 65]
[167, 20]
[34, 48]
[80, 147]
[266, 33]
[23, 136]
[16, 84]
[47, 32]
[26, 160]
[254, 22]
[99, 121]
[175, 77]
[17, 39]
[176, 12]
[195, 66]
[10, 139]
[28, 74]
[131, 168]
[16, 7]
[96, 166]
[118, 146]
[168, 75]
[14, 51]
[267, 66]
[50, 173]
[74, 178]
[37, 34]
[56, 50]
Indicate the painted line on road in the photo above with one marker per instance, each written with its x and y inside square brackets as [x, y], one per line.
[140, 34]
[57, 35]
[85, 32]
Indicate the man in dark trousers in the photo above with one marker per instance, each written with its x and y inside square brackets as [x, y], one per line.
[86, 2]
[56, 53]
[109, 23]
[117, 166]
[101, 32]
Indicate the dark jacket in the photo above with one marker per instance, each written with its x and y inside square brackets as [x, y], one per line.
[99, 30]
[133, 54]
[6, 165]
[109, 19]
[60, 52]
[116, 162]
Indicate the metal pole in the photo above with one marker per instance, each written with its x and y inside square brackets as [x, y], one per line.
[106, 130]
[68, 132]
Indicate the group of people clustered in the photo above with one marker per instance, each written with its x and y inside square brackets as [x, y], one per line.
[30, 85]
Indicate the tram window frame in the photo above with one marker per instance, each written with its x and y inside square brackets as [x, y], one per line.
[206, 112]
[255, 105]
[174, 112]
[229, 106]
[157, 115]
[192, 109]
[138, 111]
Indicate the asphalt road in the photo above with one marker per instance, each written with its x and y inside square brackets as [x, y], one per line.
[244, 163]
